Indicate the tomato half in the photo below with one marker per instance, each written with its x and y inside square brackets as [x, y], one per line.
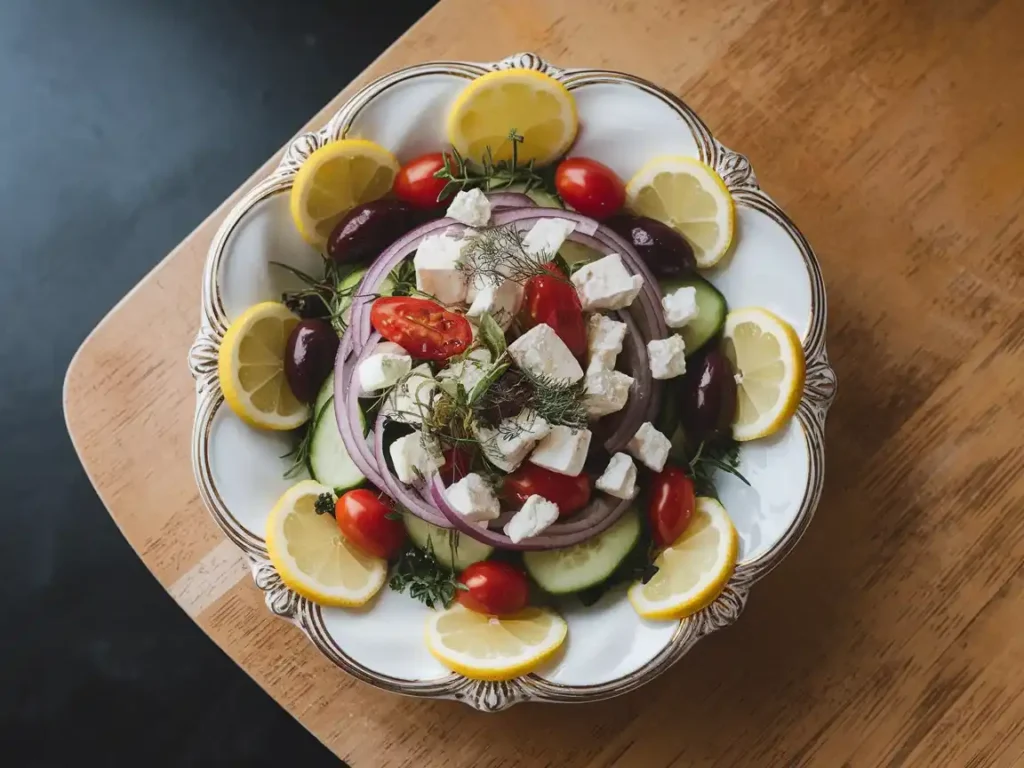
[416, 183]
[368, 520]
[590, 187]
[423, 328]
[494, 588]
[671, 505]
[553, 300]
[570, 493]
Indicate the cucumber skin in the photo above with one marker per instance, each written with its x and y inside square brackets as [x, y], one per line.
[542, 564]
[713, 308]
[327, 437]
[468, 550]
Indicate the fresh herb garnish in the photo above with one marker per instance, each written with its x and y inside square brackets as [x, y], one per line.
[403, 278]
[558, 401]
[495, 254]
[426, 579]
[324, 504]
[300, 454]
[710, 457]
[463, 174]
[322, 297]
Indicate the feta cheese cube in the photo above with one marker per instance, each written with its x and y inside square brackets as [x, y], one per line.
[511, 442]
[471, 208]
[563, 450]
[680, 306]
[412, 397]
[667, 357]
[546, 237]
[501, 301]
[606, 392]
[606, 284]
[604, 342]
[539, 351]
[535, 516]
[415, 456]
[650, 446]
[468, 371]
[473, 498]
[383, 369]
[619, 477]
[438, 273]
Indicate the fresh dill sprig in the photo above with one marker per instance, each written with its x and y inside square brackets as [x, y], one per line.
[426, 579]
[711, 457]
[463, 174]
[322, 298]
[558, 401]
[496, 254]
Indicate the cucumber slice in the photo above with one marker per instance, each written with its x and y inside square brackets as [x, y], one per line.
[541, 197]
[329, 462]
[570, 569]
[713, 309]
[351, 281]
[452, 550]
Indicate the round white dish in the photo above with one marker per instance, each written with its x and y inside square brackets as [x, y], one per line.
[624, 122]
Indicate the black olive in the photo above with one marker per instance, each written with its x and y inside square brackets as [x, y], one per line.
[664, 251]
[368, 229]
[309, 357]
[708, 396]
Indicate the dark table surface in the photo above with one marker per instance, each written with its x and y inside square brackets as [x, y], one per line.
[123, 124]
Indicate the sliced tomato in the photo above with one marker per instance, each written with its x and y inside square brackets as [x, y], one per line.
[671, 505]
[423, 328]
[368, 520]
[553, 300]
[494, 587]
[416, 183]
[592, 188]
[570, 493]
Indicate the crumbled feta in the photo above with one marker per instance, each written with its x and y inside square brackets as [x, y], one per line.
[383, 369]
[650, 446]
[606, 284]
[563, 450]
[680, 306]
[511, 442]
[606, 392]
[412, 397]
[415, 456]
[438, 263]
[667, 357]
[547, 237]
[390, 348]
[604, 342]
[501, 301]
[619, 478]
[471, 208]
[473, 498]
[535, 516]
[539, 351]
[468, 371]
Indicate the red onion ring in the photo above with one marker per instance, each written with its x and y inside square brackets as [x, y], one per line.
[510, 200]
[349, 414]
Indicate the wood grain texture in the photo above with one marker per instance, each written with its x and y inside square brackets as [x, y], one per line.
[893, 133]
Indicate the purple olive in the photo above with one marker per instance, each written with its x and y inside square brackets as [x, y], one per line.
[309, 357]
[368, 229]
[663, 250]
[707, 396]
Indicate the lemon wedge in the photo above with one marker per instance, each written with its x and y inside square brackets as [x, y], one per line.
[335, 178]
[691, 198]
[486, 647]
[251, 368]
[313, 558]
[769, 363]
[534, 105]
[694, 570]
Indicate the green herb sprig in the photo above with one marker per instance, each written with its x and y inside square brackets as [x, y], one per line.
[463, 174]
[426, 579]
[710, 457]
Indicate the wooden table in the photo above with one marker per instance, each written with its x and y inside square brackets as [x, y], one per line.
[893, 133]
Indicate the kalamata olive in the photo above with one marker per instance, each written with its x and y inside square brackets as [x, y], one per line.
[707, 396]
[368, 229]
[309, 357]
[663, 249]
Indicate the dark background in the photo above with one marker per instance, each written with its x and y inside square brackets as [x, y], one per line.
[123, 123]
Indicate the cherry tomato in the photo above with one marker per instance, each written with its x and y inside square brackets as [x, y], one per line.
[571, 494]
[456, 465]
[553, 300]
[368, 520]
[590, 187]
[421, 327]
[494, 588]
[416, 184]
[671, 505]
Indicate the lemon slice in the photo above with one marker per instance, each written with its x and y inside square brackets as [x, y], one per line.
[335, 178]
[690, 197]
[494, 648]
[534, 105]
[769, 363]
[251, 368]
[313, 558]
[694, 570]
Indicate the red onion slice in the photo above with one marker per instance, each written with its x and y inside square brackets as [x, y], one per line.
[348, 414]
[510, 200]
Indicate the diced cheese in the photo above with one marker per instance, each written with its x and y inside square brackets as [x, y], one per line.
[415, 456]
[536, 515]
[546, 237]
[469, 370]
[412, 397]
[606, 284]
[511, 442]
[619, 478]
[680, 306]
[438, 262]
[563, 450]
[501, 301]
[606, 392]
[383, 369]
[667, 357]
[540, 352]
[473, 498]
[604, 342]
[650, 447]
[471, 208]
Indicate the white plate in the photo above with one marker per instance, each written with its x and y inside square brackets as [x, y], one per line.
[624, 122]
